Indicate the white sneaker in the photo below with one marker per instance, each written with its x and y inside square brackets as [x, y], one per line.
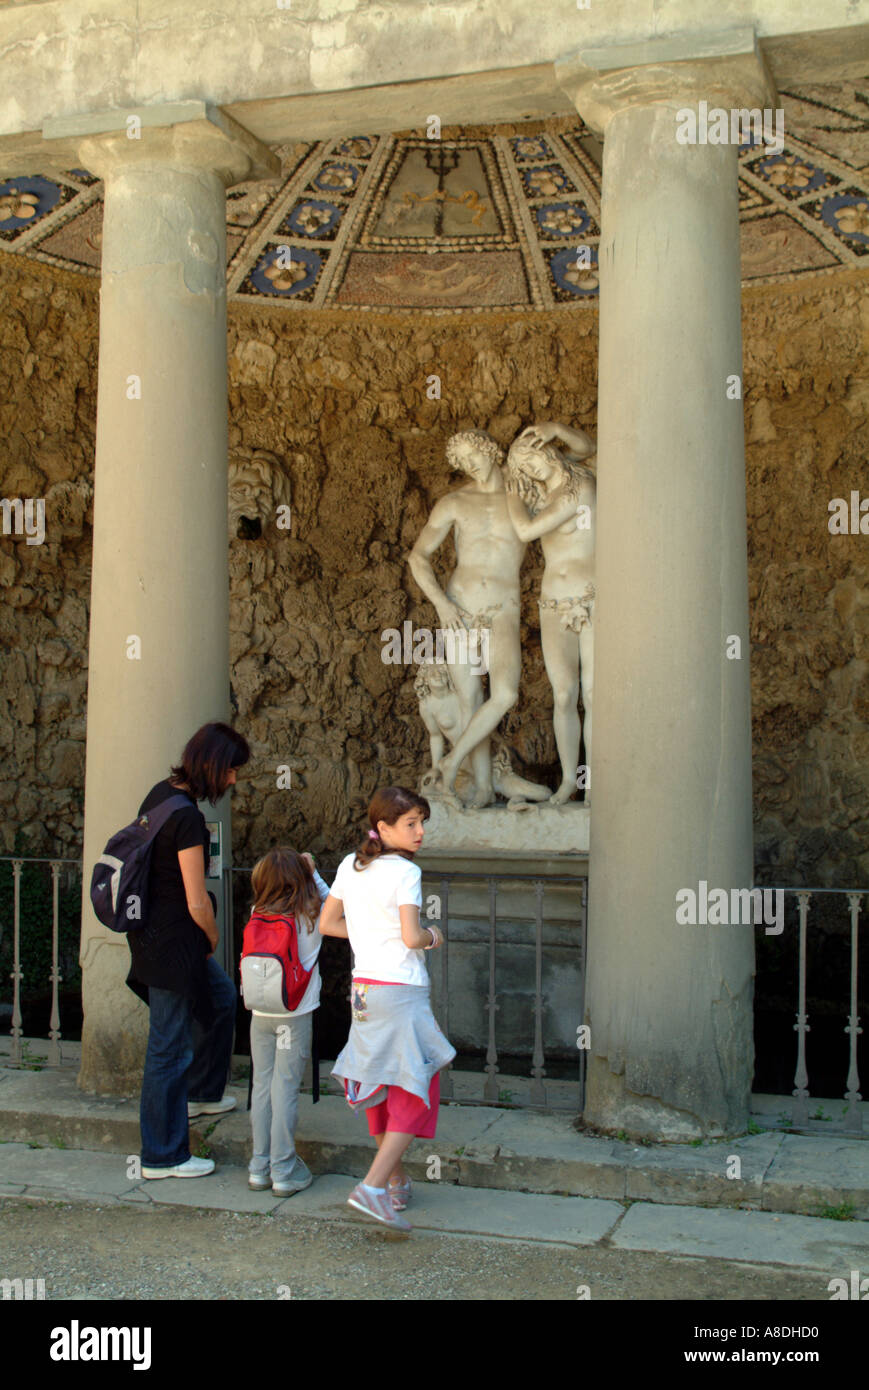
[193, 1168]
[210, 1107]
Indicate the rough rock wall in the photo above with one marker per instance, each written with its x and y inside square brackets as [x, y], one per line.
[345, 408]
[329, 415]
[48, 368]
[807, 442]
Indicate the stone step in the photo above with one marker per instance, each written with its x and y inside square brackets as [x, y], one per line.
[77, 1175]
[748, 1238]
[479, 1147]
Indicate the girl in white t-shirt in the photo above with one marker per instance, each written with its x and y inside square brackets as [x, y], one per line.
[390, 1065]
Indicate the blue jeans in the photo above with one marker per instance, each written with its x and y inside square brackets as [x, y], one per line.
[184, 1061]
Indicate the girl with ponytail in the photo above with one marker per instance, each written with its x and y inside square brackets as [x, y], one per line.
[391, 1063]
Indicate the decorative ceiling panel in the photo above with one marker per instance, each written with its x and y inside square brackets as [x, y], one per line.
[480, 221]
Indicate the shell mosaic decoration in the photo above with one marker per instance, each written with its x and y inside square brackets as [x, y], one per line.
[478, 221]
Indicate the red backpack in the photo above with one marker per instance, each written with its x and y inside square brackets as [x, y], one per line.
[272, 978]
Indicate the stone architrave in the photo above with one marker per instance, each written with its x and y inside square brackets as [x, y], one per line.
[669, 1006]
[158, 663]
[561, 494]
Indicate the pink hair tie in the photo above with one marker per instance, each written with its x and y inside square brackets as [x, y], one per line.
[373, 835]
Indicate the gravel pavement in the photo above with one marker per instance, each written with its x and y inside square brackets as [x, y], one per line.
[88, 1251]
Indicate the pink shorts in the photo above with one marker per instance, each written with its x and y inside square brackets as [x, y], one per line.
[404, 1113]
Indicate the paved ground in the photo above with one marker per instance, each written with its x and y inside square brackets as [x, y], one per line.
[483, 1147]
[525, 1207]
[81, 1222]
[86, 1251]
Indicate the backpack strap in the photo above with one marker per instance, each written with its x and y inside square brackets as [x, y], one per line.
[158, 817]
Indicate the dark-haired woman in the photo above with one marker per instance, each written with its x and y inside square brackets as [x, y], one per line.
[395, 1050]
[191, 999]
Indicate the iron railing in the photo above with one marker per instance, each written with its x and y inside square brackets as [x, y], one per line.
[561, 1095]
[539, 1092]
[851, 1120]
[54, 1029]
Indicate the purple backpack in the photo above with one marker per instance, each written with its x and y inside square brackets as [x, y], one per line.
[119, 883]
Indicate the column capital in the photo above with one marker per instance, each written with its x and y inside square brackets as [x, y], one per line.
[183, 135]
[724, 69]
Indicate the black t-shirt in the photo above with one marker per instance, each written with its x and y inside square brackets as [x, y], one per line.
[169, 950]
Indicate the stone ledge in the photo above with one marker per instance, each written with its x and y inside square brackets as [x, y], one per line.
[478, 1147]
[538, 829]
[444, 1207]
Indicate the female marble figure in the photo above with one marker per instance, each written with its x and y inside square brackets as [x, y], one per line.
[550, 494]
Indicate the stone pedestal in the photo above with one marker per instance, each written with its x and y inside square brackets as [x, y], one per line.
[536, 830]
[159, 631]
[669, 1006]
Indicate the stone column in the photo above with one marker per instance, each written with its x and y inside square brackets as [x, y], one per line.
[669, 1006]
[159, 627]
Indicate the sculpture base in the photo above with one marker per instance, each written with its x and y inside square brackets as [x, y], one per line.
[540, 829]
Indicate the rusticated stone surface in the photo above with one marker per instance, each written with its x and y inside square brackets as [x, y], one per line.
[807, 441]
[48, 367]
[329, 417]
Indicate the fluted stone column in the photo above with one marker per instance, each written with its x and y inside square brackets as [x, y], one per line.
[159, 627]
[669, 1006]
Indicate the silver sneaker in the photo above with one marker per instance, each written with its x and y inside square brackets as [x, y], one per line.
[379, 1206]
[281, 1189]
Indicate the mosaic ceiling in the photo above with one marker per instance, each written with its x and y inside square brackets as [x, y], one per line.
[478, 222]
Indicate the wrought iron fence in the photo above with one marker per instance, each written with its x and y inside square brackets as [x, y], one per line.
[519, 931]
[17, 975]
[471, 926]
[827, 920]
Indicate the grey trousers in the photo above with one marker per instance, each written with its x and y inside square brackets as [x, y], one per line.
[279, 1049]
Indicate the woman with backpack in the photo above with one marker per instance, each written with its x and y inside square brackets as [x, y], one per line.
[390, 1065]
[192, 1001]
[280, 982]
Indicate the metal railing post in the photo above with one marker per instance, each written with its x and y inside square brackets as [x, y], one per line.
[538, 1087]
[54, 1024]
[490, 1089]
[447, 1073]
[583, 1053]
[801, 1076]
[16, 968]
[853, 1114]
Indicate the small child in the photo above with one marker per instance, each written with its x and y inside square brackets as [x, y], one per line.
[390, 1066]
[284, 884]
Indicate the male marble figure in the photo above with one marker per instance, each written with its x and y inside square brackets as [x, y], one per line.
[560, 492]
[482, 592]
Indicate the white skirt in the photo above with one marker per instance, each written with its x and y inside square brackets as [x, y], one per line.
[394, 1040]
